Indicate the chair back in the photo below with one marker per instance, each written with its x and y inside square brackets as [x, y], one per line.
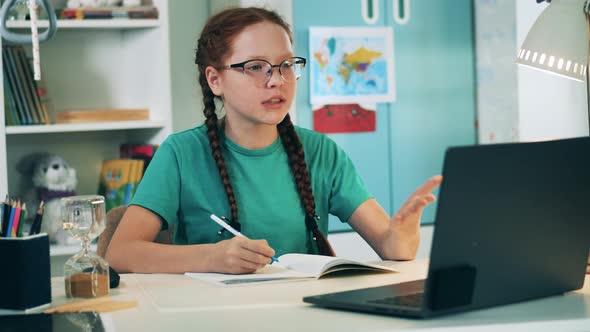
[113, 219]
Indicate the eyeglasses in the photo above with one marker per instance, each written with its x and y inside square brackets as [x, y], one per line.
[261, 70]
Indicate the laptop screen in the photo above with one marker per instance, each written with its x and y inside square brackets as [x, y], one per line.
[512, 223]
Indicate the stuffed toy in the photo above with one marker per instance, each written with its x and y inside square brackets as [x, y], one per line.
[51, 178]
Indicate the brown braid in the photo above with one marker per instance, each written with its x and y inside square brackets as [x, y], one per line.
[213, 47]
[211, 122]
[296, 156]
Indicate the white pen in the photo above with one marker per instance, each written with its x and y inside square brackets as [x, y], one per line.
[234, 231]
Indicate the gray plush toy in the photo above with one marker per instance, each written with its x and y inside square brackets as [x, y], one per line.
[51, 178]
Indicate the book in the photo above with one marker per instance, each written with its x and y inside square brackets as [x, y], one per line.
[105, 115]
[10, 110]
[139, 12]
[118, 181]
[292, 267]
[23, 100]
[28, 92]
[144, 152]
[14, 86]
[26, 63]
[134, 178]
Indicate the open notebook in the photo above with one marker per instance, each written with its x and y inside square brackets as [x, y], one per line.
[291, 267]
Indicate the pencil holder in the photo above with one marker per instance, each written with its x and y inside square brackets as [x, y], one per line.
[25, 276]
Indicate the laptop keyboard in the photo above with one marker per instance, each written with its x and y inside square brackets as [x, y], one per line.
[408, 300]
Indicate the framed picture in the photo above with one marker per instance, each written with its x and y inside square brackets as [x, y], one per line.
[351, 65]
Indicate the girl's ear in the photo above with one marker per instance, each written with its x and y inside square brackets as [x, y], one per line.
[214, 79]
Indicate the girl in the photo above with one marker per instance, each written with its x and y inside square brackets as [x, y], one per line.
[275, 182]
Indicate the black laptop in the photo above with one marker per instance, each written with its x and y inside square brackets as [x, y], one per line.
[512, 224]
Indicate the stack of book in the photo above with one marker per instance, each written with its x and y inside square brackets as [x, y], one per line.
[24, 99]
[141, 12]
[119, 177]
[118, 181]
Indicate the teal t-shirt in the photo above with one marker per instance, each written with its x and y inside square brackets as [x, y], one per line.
[183, 186]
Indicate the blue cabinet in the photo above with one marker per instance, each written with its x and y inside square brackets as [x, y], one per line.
[435, 92]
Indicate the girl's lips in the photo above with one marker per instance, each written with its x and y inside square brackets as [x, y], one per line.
[274, 102]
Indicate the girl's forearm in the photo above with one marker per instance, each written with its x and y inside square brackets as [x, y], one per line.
[140, 256]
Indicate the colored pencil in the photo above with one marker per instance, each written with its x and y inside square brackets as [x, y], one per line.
[11, 219]
[16, 219]
[36, 226]
[23, 217]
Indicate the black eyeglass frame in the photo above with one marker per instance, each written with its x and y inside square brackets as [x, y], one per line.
[242, 65]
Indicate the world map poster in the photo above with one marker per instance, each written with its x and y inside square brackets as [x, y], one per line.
[351, 65]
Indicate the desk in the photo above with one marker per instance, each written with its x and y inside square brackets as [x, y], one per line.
[179, 303]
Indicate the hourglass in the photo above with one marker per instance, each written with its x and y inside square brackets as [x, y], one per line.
[86, 274]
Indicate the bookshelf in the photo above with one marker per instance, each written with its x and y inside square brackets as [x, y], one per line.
[82, 127]
[117, 24]
[94, 64]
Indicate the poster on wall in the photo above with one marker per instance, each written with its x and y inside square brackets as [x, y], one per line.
[351, 65]
[345, 118]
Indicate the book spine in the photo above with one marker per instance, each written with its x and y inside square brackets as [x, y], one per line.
[32, 85]
[10, 104]
[28, 93]
[129, 185]
[22, 119]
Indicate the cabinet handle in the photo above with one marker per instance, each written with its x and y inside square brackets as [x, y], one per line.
[401, 11]
[370, 11]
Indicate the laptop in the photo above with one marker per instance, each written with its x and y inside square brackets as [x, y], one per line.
[512, 224]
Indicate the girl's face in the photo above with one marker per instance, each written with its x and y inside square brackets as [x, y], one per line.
[248, 99]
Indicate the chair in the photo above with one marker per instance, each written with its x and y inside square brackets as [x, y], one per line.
[113, 218]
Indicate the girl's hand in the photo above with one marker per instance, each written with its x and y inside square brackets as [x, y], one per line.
[240, 255]
[406, 221]
[411, 211]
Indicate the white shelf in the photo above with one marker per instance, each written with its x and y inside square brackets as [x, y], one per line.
[95, 126]
[90, 24]
[94, 64]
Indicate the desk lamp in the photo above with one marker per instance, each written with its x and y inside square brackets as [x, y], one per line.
[558, 43]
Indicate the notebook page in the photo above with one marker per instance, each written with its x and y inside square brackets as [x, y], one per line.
[269, 273]
[317, 265]
[310, 264]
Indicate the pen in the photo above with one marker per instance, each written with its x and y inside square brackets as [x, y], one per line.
[36, 226]
[234, 232]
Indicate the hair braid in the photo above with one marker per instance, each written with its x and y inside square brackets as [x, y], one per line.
[298, 165]
[214, 46]
[211, 122]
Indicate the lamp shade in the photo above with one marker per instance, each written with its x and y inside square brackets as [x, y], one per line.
[558, 41]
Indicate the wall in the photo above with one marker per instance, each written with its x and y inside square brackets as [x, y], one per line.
[187, 18]
[435, 105]
[497, 94]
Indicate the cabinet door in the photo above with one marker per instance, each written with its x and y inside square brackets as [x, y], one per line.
[435, 92]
